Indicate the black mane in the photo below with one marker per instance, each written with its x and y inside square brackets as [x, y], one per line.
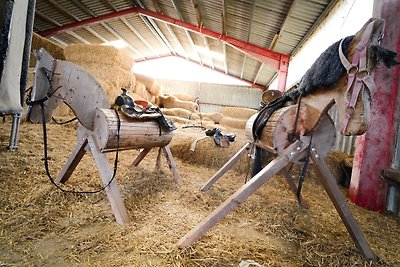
[325, 72]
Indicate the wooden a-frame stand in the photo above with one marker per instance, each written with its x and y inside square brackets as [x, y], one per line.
[288, 155]
[88, 144]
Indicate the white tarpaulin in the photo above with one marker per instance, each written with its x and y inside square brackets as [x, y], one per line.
[10, 101]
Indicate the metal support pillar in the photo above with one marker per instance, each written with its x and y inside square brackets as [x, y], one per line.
[374, 150]
[15, 131]
[282, 73]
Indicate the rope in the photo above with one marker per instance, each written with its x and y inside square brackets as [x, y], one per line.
[46, 158]
[303, 170]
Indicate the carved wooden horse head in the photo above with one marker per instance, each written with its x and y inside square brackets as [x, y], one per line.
[76, 88]
[353, 91]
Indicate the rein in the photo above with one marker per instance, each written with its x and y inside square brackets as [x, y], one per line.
[46, 158]
[358, 75]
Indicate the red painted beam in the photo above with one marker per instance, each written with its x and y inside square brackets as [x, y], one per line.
[88, 22]
[374, 150]
[259, 53]
[275, 59]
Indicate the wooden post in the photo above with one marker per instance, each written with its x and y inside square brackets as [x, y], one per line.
[229, 165]
[106, 173]
[172, 164]
[291, 153]
[329, 183]
[141, 156]
[72, 162]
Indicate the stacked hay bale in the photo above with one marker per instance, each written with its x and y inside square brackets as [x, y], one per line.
[146, 88]
[54, 50]
[236, 117]
[180, 108]
[233, 117]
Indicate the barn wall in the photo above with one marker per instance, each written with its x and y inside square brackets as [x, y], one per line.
[214, 96]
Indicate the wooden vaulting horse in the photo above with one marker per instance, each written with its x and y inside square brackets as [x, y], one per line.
[293, 132]
[100, 128]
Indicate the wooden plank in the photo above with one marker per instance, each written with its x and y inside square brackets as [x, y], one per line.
[172, 164]
[140, 157]
[293, 187]
[72, 162]
[329, 183]
[158, 160]
[227, 166]
[289, 154]
[106, 173]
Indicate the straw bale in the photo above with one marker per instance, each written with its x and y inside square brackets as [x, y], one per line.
[54, 50]
[238, 113]
[152, 86]
[155, 90]
[136, 96]
[232, 122]
[214, 116]
[145, 80]
[176, 119]
[140, 89]
[98, 54]
[116, 75]
[42, 226]
[185, 97]
[170, 101]
[180, 112]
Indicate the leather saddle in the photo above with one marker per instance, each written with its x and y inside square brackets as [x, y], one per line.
[142, 110]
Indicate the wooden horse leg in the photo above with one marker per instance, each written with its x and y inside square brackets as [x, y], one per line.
[106, 173]
[287, 155]
[72, 162]
[172, 164]
[141, 156]
[228, 165]
[293, 187]
[328, 181]
[158, 160]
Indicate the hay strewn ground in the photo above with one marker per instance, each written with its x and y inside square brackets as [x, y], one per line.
[41, 226]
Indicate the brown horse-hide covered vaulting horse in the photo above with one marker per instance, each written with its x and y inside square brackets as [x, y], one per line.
[295, 127]
[340, 75]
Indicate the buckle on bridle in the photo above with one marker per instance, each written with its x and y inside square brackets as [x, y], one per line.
[352, 70]
[362, 73]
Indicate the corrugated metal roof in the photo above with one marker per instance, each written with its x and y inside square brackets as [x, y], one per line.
[276, 25]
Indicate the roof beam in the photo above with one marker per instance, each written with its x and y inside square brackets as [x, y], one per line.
[130, 26]
[62, 10]
[199, 20]
[253, 5]
[122, 38]
[186, 31]
[104, 40]
[77, 36]
[154, 27]
[52, 21]
[259, 53]
[279, 35]
[224, 31]
[109, 4]
[83, 7]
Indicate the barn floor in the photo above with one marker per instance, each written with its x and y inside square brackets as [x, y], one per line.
[42, 226]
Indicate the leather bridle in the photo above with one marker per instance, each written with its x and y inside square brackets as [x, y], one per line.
[358, 75]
